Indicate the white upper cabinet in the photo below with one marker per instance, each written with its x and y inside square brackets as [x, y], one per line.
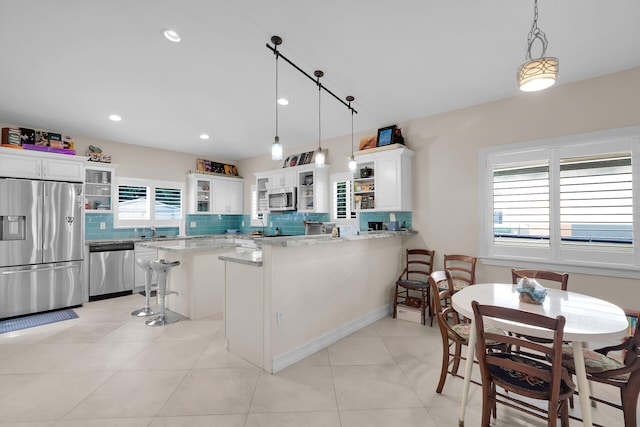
[99, 187]
[262, 188]
[284, 178]
[214, 195]
[28, 164]
[313, 189]
[311, 183]
[383, 180]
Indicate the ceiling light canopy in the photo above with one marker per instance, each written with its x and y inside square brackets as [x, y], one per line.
[115, 118]
[542, 72]
[204, 136]
[171, 35]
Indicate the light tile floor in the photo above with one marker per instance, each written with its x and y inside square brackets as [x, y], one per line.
[107, 368]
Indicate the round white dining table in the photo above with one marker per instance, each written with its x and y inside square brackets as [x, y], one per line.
[588, 319]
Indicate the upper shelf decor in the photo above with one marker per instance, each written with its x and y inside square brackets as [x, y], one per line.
[298, 159]
[208, 166]
[38, 140]
[95, 154]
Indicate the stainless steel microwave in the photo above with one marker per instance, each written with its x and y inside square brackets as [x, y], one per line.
[282, 199]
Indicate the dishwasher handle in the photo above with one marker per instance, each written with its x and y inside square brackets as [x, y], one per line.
[110, 247]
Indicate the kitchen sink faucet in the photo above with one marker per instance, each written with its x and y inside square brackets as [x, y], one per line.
[153, 231]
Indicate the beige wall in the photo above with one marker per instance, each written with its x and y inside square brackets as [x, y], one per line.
[445, 194]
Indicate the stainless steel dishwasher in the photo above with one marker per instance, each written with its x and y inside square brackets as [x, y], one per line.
[111, 267]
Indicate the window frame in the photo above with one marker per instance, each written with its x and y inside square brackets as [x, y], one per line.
[616, 264]
[354, 220]
[152, 185]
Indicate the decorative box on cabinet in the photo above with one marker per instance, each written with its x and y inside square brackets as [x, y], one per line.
[214, 195]
[389, 186]
[99, 187]
[37, 165]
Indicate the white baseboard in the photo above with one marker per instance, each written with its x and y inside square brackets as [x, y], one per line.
[297, 354]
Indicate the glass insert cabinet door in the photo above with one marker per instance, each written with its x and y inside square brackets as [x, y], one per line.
[203, 196]
[98, 190]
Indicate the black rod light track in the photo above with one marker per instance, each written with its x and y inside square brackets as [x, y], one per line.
[276, 40]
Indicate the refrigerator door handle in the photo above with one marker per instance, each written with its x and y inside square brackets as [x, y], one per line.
[60, 267]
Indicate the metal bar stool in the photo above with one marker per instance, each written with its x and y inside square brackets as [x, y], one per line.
[161, 268]
[145, 264]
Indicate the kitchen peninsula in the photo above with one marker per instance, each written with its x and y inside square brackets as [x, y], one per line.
[199, 279]
[300, 294]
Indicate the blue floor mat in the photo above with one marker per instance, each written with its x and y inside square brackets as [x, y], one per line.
[32, 320]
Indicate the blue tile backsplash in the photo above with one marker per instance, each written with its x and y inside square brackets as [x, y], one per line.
[401, 217]
[92, 229]
[291, 223]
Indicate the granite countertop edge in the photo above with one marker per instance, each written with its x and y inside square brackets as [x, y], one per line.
[219, 240]
[250, 257]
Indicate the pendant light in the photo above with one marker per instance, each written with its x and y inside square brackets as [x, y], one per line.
[276, 147]
[320, 153]
[352, 161]
[542, 72]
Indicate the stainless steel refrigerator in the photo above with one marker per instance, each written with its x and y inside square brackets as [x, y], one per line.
[41, 245]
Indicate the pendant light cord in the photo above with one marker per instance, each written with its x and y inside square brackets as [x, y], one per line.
[349, 99]
[319, 117]
[319, 74]
[536, 33]
[277, 55]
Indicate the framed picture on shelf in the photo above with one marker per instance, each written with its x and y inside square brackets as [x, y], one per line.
[367, 142]
[385, 135]
[293, 161]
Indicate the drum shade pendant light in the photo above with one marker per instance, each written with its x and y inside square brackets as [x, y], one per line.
[542, 72]
[352, 160]
[320, 153]
[276, 147]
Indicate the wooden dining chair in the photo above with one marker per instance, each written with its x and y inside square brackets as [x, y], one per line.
[544, 277]
[415, 277]
[463, 273]
[518, 374]
[622, 373]
[462, 268]
[454, 331]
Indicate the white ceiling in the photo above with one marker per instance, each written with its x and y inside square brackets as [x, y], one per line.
[67, 64]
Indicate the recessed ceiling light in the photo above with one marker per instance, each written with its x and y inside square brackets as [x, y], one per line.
[283, 101]
[171, 35]
[115, 118]
[204, 136]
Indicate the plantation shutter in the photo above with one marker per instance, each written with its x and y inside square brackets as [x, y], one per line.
[521, 208]
[596, 201]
